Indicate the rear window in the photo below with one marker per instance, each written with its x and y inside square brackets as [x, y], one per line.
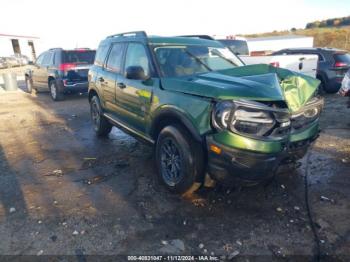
[81, 56]
[101, 54]
[342, 57]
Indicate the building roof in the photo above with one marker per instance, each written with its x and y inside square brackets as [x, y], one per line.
[19, 36]
[279, 37]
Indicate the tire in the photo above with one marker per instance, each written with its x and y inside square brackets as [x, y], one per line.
[101, 125]
[55, 93]
[29, 85]
[179, 159]
[330, 89]
[324, 87]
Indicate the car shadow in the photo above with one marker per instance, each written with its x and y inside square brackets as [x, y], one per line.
[12, 199]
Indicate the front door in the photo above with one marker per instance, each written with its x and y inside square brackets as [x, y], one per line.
[41, 71]
[135, 96]
[36, 70]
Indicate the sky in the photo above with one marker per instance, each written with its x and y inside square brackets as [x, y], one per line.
[83, 23]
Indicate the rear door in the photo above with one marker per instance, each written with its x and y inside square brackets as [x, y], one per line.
[134, 96]
[110, 75]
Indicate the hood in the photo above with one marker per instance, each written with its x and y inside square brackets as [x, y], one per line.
[253, 82]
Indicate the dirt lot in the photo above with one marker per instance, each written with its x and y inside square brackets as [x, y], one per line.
[65, 192]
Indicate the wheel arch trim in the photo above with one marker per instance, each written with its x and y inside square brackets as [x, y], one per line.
[170, 111]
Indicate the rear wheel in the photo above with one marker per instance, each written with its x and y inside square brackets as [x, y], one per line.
[325, 87]
[101, 125]
[55, 93]
[179, 159]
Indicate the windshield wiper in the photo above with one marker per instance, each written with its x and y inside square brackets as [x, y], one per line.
[198, 60]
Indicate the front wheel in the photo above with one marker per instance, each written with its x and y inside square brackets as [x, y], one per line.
[179, 159]
[101, 125]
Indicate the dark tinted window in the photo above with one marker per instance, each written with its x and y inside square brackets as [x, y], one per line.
[114, 61]
[239, 47]
[342, 57]
[137, 56]
[101, 54]
[79, 56]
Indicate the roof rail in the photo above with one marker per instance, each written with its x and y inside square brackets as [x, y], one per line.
[130, 34]
[54, 48]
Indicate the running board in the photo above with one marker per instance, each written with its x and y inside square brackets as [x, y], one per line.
[128, 129]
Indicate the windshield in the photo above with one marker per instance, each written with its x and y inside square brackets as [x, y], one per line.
[175, 61]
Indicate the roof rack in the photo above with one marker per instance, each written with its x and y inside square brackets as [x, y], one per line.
[207, 37]
[130, 34]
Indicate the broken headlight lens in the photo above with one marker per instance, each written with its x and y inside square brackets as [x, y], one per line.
[251, 122]
[249, 118]
[307, 114]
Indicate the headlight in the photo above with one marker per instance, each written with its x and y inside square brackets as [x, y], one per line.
[251, 122]
[309, 113]
[222, 114]
[251, 118]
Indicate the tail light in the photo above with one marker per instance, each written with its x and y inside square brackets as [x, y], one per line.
[340, 64]
[67, 66]
[275, 64]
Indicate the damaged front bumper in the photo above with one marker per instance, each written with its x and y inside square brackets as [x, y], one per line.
[244, 160]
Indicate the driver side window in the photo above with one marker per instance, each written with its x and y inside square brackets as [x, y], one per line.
[136, 55]
[39, 60]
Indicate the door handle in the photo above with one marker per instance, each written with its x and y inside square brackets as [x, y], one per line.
[121, 85]
[101, 79]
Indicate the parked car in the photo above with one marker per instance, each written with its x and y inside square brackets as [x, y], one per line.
[11, 62]
[3, 63]
[201, 108]
[21, 59]
[331, 68]
[60, 71]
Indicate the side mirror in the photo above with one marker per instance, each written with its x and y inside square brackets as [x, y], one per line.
[135, 73]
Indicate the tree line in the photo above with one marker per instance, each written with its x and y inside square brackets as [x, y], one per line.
[332, 22]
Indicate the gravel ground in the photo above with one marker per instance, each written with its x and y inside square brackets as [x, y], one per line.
[67, 193]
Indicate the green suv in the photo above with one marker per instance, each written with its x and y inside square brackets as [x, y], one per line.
[207, 114]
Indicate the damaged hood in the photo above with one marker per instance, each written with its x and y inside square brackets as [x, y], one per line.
[253, 82]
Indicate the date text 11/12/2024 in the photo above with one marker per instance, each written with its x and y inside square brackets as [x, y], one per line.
[173, 258]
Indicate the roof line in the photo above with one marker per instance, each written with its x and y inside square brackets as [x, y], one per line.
[20, 36]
